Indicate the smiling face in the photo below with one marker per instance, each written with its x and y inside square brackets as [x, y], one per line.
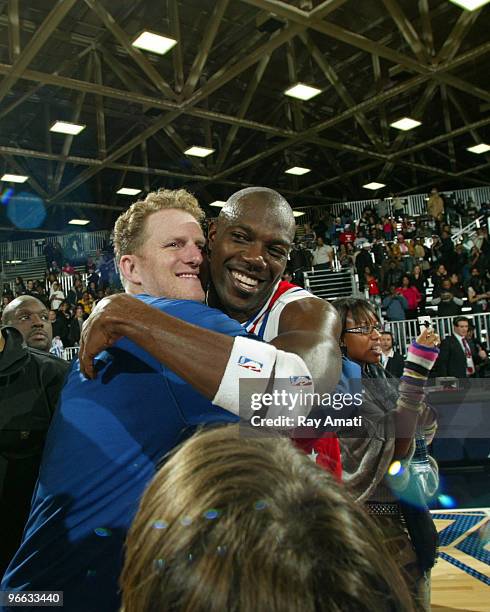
[167, 264]
[362, 348]
[249, 250]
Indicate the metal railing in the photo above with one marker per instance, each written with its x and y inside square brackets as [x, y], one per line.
[20, 250]
[405, 332]
[469, 229]
[70, 353]
[415, 204]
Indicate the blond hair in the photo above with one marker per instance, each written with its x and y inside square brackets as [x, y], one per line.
[130, 227]
[236, 523]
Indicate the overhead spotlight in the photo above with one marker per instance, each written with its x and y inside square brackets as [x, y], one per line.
[374, 185]
[218, 203]
[297, 170]
[128, 191]
[405, 124]
[155, 43]
[196, 151]
[470, 5]
[78, 222]
[302, 91]
[66, 127]
[14, 178]
[479, 148]
[298, 213]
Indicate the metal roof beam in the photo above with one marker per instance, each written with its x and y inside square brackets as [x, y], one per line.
[460, 30]
[219, 79]
[242, 111]
[178, 63]
[448, 127]
[14, 30]
[406, 29]
[135, 54]
[35, 44]
[425, 22]
[210, 32]
[340, 88]
[75, 118]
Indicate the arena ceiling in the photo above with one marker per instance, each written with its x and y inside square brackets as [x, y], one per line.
[222, 87]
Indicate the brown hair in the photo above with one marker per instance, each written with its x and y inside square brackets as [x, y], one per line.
[239, 523]
[129, 229]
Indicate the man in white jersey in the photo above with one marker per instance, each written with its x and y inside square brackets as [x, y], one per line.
[249, 246]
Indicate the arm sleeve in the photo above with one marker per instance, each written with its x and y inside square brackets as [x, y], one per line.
[366, 459]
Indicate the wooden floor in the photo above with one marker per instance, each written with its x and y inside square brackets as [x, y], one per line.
[461, 577]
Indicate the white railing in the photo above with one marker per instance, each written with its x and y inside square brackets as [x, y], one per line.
[20, 250]
[404, 332]
[415, 204]
[469, 229]
[66, 281]
[70, 353]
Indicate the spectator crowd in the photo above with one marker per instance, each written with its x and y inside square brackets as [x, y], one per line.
[92, 279]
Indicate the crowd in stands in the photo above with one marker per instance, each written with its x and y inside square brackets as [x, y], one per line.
[396, 257]
[92, 279]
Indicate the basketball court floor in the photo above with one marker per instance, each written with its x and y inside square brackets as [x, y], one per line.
[461, 577]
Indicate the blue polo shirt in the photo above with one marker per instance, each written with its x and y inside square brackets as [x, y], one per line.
[104, 445]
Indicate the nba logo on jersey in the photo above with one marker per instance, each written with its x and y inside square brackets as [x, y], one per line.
[300, 381]
[250, 364]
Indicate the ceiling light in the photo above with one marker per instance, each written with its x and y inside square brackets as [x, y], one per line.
[470, 5]
[405, 124]
[479, 148]
[78, 222]
[14, 178]
[297, 170]
[218, 203]
[14, 261]
[128, 191]
[199, 151]
[298, 213]
[302, 91]
[65, 127]
[374, 185]
[148, 41]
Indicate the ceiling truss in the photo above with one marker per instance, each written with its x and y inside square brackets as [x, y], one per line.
[224, 91]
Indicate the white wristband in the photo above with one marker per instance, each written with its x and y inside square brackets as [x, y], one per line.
[249, 359]
[293, 380]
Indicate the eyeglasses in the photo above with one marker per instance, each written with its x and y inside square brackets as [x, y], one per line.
[364, 330]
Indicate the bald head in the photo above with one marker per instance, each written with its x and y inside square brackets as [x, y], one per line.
[263, 203]
[249, 247]
[31, 317]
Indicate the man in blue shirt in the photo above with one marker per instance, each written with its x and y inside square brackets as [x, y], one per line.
[108, 436]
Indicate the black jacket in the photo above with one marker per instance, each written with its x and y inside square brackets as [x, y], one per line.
[394, 365]
[452, 359]
[30, 383]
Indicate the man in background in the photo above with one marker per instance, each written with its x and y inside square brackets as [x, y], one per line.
[31, 317]
[391, 360]
[30, 383]
[456, 357]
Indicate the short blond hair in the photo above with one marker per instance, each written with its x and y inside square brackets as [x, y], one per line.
[130, 227]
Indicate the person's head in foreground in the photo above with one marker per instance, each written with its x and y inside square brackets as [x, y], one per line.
[158, 245]
[249, 246]
[360, 338]
[238, 523]
[31, 317]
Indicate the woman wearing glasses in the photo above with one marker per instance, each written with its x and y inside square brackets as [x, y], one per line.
[379, 463]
